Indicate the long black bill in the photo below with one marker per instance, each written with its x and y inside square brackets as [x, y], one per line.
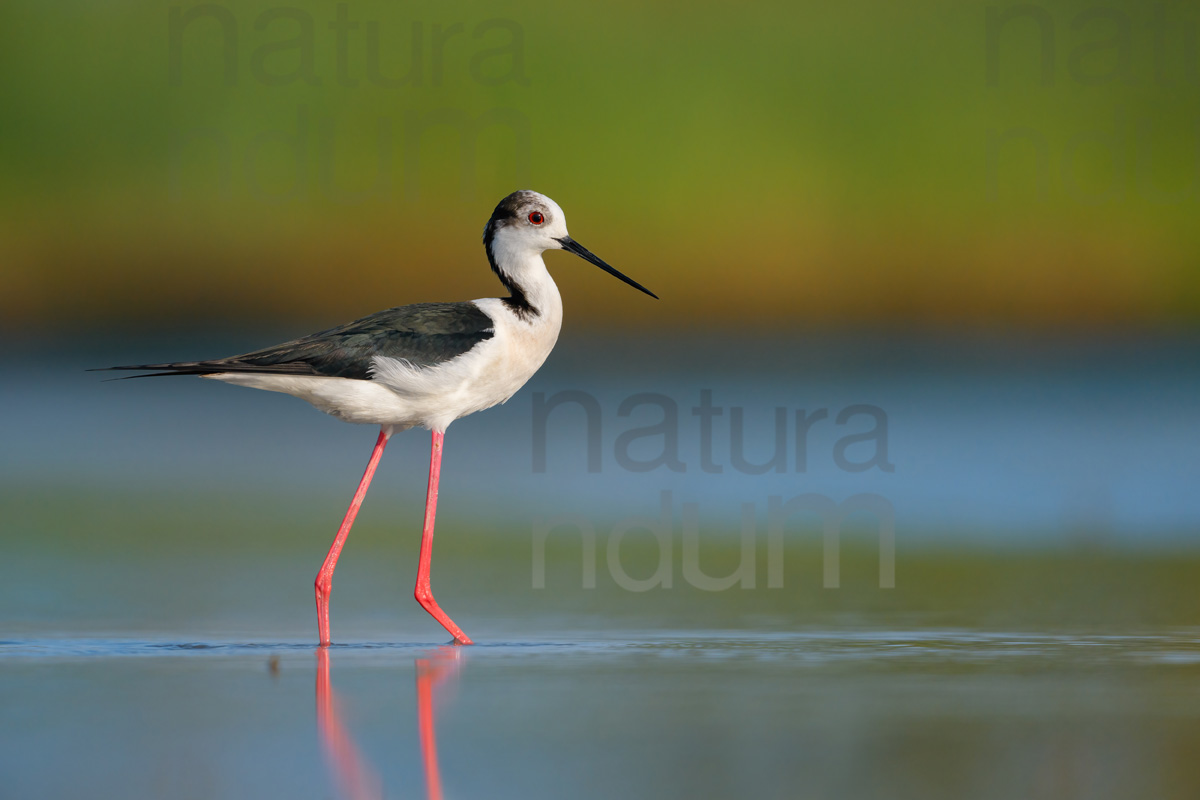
[572, 246]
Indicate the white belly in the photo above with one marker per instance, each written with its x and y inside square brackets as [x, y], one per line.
[403, 396]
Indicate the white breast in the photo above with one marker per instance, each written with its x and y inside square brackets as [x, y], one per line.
[487, 375]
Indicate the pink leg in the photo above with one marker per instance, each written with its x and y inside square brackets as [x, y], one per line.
[423, 593]
[324, 582]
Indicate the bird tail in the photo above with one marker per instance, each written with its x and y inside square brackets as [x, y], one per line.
[205, 368]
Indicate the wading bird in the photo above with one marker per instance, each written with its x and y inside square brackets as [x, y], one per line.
[422, 365]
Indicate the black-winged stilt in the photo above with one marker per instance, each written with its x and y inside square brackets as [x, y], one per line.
[422, 365]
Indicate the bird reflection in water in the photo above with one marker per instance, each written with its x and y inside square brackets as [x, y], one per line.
[432, 672]
[355, 778]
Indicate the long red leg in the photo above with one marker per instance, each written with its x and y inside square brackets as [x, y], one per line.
[324, 582]
[423, 593]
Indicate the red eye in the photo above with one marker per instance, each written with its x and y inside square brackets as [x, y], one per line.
[535, 217]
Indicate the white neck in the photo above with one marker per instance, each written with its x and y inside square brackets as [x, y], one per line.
[523, 271]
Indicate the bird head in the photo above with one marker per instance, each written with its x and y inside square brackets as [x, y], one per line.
[529, 223]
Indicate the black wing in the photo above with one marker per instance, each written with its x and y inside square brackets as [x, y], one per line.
[424, 334]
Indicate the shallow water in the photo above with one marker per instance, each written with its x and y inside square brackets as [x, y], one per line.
[823, 713]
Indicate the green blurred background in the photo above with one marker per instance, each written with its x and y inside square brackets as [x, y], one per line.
[931, 164]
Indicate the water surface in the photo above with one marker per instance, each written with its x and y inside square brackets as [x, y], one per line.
[822, 713]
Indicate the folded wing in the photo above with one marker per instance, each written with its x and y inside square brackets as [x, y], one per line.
[424, 335]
